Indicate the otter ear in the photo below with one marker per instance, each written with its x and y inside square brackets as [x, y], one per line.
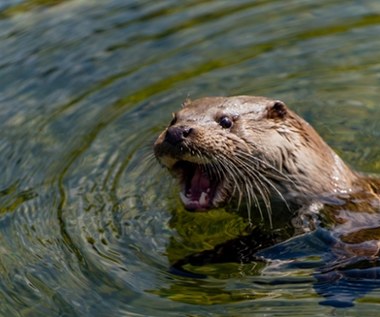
[277, 111]
[186, 102]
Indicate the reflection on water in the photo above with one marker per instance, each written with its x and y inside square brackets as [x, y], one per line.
[90, 223]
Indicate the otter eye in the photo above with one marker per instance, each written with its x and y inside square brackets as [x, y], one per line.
[174, 120]
[225, 122]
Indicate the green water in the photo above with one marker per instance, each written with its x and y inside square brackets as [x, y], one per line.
[89, 223]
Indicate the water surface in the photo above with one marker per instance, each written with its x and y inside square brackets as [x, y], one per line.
[89, 223]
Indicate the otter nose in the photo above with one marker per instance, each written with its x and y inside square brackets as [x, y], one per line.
[177, 134]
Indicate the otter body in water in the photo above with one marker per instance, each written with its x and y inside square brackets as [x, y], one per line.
[253, 149]
[256, 150]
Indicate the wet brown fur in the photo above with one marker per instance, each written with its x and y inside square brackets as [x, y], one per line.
[286, 150]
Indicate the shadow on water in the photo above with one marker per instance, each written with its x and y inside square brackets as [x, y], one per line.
[335, 274]
[90, 224]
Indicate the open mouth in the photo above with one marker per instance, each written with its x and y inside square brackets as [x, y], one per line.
[199, 186]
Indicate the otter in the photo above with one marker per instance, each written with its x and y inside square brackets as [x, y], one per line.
[256, 151]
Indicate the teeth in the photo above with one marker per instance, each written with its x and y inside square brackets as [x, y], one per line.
[203, 199]
[187, 200]
[208, 190]
[184, 198]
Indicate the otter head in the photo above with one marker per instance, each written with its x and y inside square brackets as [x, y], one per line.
[247, 147]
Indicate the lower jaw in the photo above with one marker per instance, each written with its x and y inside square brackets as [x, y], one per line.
[216, 199]
[196, 208]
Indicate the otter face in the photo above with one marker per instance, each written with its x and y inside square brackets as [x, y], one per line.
[214, 147]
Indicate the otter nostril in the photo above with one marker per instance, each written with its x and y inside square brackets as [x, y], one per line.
[177, 134]
[186, 132]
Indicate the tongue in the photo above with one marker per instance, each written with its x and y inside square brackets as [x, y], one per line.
[197, 194]
[200, 183]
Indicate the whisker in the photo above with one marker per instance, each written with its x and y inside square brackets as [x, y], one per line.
[224, 163]
[263, 190]
[248, 185]
[269, 182]
[255, 159]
